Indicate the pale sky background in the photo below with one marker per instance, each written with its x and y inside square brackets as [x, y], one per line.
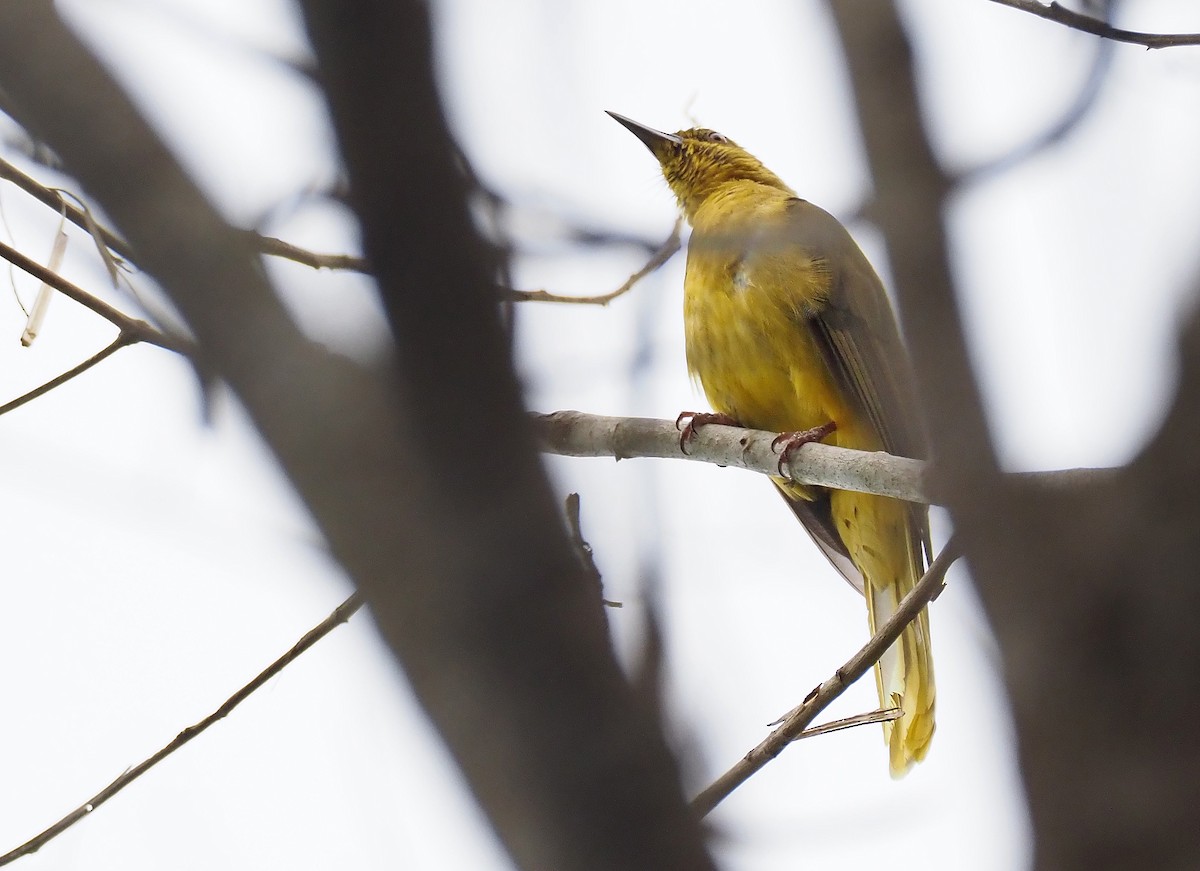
[156, 562]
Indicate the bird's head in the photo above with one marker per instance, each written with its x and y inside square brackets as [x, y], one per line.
[698, 162]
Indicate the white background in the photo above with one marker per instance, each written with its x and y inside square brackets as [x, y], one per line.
[155, 562]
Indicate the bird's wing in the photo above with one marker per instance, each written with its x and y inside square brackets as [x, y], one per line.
[817, 521]
[856, 330]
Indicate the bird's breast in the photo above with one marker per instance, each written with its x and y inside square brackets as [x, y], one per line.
[750, 346]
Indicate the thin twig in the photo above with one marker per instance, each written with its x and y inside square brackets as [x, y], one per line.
[80, 217]
[137, 329]
[119, 342]
[278, 248]
[664, 253]
[886, 715]
[340, 615]
[1078, 21]
[52, 198]
[792, 725]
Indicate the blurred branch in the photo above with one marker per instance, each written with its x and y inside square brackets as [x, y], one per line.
[660, 256]
[469, 575]
[286, 250]
[340, 615]
[794, 724]
[583, 549]
[1086, 99]
[1077, 21]
[573, 771]
[1089, 590]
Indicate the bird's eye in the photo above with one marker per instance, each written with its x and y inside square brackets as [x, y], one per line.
[714, 136]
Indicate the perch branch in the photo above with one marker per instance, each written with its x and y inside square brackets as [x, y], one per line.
[576, 434]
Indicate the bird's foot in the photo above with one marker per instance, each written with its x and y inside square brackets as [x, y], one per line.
[695, 420]
[789, 442]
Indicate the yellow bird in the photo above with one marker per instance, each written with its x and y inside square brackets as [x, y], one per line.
[789, 330]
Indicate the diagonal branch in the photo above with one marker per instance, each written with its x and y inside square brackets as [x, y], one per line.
[796, 722]
[105, 236]
[135, 329]
[121, 341]
[1077, 21]
[340, 615]
[884, 715]
[465, 565]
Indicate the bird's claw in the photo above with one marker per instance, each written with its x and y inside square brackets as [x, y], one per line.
[695, 420]
[793, 441]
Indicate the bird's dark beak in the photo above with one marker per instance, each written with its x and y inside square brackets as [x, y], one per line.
[655, 140]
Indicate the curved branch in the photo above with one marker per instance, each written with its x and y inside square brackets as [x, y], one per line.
[1078, 21]
[1080, 108]
[661, 255]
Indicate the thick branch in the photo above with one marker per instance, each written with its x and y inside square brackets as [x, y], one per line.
[466, 567]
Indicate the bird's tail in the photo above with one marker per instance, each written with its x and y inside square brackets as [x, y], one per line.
[904, 677]
[882, 546]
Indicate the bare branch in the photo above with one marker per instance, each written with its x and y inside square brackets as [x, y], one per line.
[1080, 109]
[288, 251]
[660, 256]
[115, 345]
[135, 329]
[1078, 21]
[466, 566]
[81, 217]
[885, 715]
[52, 198]
[794, 724]
[575, 434]
[340, 615]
